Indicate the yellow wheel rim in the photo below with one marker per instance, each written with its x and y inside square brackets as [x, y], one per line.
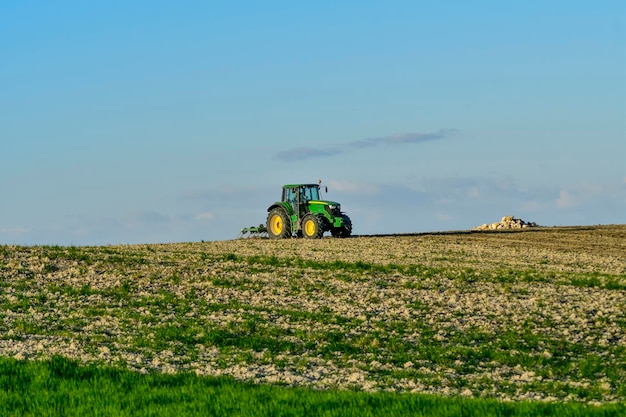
[276, 224]
[309, 227]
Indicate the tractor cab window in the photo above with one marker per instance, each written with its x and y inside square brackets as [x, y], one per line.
[291, 195]
[311, 193]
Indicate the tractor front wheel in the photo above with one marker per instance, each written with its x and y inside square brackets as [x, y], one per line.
[278, 224]
[312, 227]
[345, 230]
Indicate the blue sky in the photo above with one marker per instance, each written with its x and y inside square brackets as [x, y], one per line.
[160, 121]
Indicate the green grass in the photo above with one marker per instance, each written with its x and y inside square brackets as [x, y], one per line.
[60, 387]
[257, 263]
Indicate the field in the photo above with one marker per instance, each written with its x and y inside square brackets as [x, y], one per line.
[536, 315]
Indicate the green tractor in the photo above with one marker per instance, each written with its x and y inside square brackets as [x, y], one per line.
[301, 212]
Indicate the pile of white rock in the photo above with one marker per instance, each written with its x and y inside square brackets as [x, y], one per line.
[507, 223]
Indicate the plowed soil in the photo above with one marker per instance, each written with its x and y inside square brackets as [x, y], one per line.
[537, 314]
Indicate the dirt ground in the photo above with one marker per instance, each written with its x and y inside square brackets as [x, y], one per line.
[600, 249]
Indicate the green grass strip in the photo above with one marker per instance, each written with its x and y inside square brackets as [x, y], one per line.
[61, 387]
[576, 279]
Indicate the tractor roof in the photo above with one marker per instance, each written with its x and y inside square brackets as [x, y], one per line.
[300, 185]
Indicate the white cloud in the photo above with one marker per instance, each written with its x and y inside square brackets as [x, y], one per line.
[577, 194]
[443, 216]
[13, 231]
[353, 187]
[565, 200]
[533, 206]
[473, 192]
[204, 216]
[298, 154]
[146, 217]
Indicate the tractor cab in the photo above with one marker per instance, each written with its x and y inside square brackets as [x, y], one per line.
[299, 196]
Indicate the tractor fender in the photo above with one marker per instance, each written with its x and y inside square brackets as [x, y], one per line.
[284, 206]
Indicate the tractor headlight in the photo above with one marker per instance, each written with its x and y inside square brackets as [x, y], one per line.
[333, 209]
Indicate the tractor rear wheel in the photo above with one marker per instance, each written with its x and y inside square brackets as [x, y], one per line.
[312, 226]
[278, 224]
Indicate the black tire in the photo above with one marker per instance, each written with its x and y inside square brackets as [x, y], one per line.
[345, 230]
[278, 224]
[312, 226]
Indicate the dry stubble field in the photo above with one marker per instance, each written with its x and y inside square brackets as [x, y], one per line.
[532, 315]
